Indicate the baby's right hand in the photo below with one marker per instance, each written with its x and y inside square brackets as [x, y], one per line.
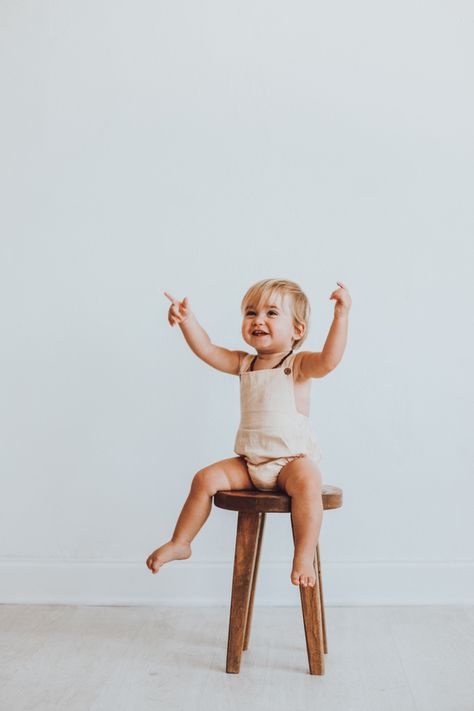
[178, 311]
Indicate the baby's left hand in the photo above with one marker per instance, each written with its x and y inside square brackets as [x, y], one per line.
[343, 300]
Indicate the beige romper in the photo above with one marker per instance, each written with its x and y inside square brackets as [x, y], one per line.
[272, 432]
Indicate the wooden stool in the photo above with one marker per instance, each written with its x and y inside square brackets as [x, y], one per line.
[252, 506]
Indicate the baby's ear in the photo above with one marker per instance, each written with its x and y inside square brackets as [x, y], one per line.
[301, 330]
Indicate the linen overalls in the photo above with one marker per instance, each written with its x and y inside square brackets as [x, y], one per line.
[272, 432]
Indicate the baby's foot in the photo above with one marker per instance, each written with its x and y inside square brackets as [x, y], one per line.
[173, 550]
[303, 572]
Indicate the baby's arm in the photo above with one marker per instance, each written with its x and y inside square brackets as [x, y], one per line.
[317, 365]
[336, 340]
[198, 340]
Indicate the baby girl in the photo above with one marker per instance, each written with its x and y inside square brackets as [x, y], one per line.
[275, 446]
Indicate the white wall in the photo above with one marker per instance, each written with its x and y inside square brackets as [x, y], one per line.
[197, 148]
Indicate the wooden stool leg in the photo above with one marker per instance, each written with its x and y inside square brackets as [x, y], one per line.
[245, 551]
[312, 619]
[323, 618]
[248, 623]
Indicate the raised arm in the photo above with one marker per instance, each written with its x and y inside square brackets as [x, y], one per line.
[316, 365]
[198, 340]
[336, 340]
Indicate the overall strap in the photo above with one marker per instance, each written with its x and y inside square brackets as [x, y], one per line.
[274, 366]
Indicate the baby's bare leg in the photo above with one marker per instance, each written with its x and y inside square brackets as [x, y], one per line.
[301, 479]
[222, 476]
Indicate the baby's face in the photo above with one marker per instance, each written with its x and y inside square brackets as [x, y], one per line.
[275, 321]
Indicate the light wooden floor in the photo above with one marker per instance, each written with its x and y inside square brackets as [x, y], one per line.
[173, 658]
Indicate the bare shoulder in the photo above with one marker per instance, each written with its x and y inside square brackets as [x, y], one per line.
[242, 355]
[223, 359]
[297, 367]
[309, 364]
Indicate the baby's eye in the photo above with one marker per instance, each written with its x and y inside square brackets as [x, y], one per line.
[272, 311]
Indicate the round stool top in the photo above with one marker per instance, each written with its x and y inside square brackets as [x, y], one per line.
[255, 501]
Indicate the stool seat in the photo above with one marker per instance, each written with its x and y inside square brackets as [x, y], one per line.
[256, 501]
[252, 506]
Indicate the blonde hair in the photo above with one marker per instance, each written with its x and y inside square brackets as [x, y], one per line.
[299, 304]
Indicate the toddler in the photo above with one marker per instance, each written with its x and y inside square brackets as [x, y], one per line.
[275, 446]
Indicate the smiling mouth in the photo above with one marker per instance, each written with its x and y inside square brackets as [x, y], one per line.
[259, 333]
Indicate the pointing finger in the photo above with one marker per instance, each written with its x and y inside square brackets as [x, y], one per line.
[171, 298]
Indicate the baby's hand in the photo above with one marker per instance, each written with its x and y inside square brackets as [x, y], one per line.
[178, 311]
[343, 300]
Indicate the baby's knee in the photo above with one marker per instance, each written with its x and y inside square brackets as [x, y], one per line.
[307, 483]
[205, 480]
